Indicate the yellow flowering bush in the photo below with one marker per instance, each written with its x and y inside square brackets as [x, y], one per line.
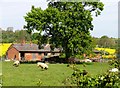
[3, 48]
[109, 56]
[111, 53]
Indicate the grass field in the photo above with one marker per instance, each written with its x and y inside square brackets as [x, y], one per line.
[30, 74]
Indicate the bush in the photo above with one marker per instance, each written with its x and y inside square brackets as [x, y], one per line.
[72, 60]
[82, 79]
[114, 63]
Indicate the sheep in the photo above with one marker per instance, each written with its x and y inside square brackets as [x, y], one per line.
[16, 63]
[7, 60]
[42, 65]
[88, 60]
[113, 70]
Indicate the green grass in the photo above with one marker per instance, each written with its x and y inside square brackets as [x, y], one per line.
[30, 74]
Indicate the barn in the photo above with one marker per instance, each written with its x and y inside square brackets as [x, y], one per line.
[28, 52]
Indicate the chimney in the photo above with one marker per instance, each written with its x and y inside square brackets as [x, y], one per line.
[30, 43]
[22, 42]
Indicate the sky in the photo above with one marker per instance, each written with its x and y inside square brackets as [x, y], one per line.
[12, 12]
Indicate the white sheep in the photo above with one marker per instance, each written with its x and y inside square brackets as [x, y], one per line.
[88, 60]
[113, 70]
[7, 60]
[16, 63]
[42, 65]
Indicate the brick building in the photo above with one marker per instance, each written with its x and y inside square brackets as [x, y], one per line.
[28, 52]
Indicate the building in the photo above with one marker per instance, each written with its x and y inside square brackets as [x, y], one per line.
[28, 52]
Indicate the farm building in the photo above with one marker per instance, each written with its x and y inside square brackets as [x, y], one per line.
[29, 52]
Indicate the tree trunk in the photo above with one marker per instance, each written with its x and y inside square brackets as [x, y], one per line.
[67, 53]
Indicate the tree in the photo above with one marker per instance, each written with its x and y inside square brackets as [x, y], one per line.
[9, 36]
[66, 25]
[107, 42]
[96, 41]
[35, 37]
[21, 35]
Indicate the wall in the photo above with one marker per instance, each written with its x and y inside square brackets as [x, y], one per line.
[12, 53]
[33, 56]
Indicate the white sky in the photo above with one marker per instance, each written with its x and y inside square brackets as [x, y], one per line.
[12, 12]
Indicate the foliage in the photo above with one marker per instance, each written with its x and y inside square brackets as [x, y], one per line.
[10, 36]
[82, 79]
[114, 63]
[35, 37]
[65, 24]
[21, 35]
[106, 42]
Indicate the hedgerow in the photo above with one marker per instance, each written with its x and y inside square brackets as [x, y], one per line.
[82, 79]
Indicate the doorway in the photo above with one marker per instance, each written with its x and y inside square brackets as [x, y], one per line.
[22, 55]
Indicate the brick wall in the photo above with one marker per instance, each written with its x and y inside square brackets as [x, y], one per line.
[12, 53]
[29, 56]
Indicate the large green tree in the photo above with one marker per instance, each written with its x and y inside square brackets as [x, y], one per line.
[65, 24]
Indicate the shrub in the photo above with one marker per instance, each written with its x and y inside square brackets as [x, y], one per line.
[114, 63]
[82, 79]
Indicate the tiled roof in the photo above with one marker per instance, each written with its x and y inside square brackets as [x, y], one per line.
[24, 47]
[33, 48]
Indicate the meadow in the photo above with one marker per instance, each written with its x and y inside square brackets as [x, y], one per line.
[31, 75]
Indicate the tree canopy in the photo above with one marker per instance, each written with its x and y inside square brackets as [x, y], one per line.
[65, 24]
[10, 36]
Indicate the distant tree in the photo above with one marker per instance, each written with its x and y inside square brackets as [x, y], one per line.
[10, 29]
[66, 25]
[22, 35]
[9, 36]
[113, 43]
[107, 42]
[96, 41]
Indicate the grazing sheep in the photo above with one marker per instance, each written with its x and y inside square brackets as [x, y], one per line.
[42, 65]
[16, 63]
[88, 60]
[7, 60]
[113, 70]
